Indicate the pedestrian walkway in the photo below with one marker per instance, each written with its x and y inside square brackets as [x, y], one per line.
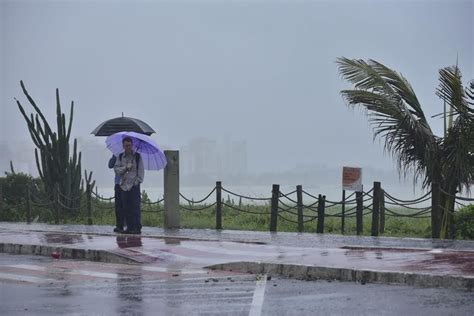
[432, 263]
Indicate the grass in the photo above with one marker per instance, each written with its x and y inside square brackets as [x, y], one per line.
[152, 215]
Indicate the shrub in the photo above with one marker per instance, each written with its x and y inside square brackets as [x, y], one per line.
[464, 221]
[14, 195]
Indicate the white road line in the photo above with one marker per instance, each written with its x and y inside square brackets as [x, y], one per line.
[215, 249]
[23, 278]
[173, 270]
[258, 296]
[195, 259]
[106, 275]
[25, 267]
[63, 271]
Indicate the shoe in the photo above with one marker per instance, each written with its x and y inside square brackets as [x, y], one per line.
[118, 230]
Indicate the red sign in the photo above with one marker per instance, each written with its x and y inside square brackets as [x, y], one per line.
[352, 179]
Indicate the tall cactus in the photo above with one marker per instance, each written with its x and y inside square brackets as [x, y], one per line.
[55, 166]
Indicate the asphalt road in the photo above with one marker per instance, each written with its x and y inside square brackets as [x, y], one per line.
[45, 286]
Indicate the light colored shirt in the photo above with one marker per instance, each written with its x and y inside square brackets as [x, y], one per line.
[132, 177]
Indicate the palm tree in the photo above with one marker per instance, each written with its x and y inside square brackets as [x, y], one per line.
[397, 117]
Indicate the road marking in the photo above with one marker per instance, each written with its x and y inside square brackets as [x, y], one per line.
[174, 256]
[172, 270]
[63, 271]
[23, 278]
[25, 267]
[258, 296]
[216, 249]
[106, 275]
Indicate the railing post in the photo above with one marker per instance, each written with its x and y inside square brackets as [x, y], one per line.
[1, 200]
[299, 205]
[343, 211]
[218, 205]
[89, 204]
[28, 204]
[382, 211]
[274, 208]
[56, 204]
[359, 212]
[321, 210]
[435, 210]
[171, 189]
[376, 209]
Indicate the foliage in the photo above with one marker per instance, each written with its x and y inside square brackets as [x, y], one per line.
[14, 194]
[152, 215]
[255, 217]
[464, 220]
[57, 166]
[145, 198]
[397, 116]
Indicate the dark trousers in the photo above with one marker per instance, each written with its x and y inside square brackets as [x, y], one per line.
[131, 201]
[119, 212]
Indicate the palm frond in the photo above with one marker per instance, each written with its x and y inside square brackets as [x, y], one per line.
[394, 111]
[458, 145]
[452, 91]
[470, 93]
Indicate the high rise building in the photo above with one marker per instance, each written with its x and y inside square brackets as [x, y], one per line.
[208, 157]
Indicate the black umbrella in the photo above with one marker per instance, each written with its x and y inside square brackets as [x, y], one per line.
[122, 124]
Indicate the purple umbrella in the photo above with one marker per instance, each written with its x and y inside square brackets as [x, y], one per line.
[151, 154]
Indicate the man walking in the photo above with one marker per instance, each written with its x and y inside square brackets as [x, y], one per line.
[129, 166]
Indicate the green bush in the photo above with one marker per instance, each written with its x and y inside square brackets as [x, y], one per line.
[14, 195]
[464, 221]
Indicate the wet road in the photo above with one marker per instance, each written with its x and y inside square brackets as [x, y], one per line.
[281, 238]
[186, 253]
[45, 286]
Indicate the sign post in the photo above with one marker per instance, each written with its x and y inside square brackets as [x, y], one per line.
[352, 181]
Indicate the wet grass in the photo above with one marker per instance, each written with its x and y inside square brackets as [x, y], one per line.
[152, 215]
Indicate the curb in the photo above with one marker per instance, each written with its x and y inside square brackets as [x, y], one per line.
[312, 273]
[65, 253]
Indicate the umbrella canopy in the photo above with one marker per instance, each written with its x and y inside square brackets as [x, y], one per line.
[151, 154]
[121, 124]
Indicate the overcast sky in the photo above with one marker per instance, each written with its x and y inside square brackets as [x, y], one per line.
[260, 71]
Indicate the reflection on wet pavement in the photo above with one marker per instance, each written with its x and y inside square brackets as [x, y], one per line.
[171, 254]
[176, 253]
[127, 289]
[125, 241]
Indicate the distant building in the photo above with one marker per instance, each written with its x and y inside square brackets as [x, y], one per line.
[208, 158]
[238, 158]
[199, 156]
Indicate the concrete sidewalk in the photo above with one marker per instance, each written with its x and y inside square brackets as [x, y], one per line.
[420, 262]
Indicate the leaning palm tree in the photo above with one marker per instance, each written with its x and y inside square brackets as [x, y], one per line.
[397, 116]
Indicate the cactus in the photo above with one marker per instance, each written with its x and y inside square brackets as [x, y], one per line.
[52, 153]
[89, 182]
